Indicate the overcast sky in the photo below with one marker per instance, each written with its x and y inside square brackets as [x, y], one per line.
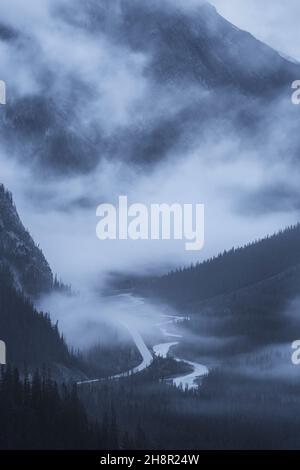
[238, 190]
[275, 22]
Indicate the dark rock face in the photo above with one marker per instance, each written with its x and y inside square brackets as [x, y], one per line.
[18, 251]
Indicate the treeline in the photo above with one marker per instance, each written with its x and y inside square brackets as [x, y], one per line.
[142, 412]
[29, 335]
[36, 414]
[145, 412]
[60, 287]
[228, 271]
[105, 359]
[229, 411]
[33, 340]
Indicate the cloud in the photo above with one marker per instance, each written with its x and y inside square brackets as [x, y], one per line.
[108, 98]
[248, 192]
[86, 76]
[137, 117]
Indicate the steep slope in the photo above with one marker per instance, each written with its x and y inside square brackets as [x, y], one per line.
[186, 47]
[19, 252]
[228, 272]
[31, 339]
[264, 312]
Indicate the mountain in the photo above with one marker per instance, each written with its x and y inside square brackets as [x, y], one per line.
[31, 339]
[199, 47]
[229, 272]
[18, 251]
[29, 335]
[201, 72]
[247, 297]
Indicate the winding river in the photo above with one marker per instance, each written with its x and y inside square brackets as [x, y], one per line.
[186, 381]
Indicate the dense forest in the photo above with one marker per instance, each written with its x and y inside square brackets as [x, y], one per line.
[227, 272]
[142, 412]
[36, 414]
[30, 336]
[242, 296]
[105, 359]
[229, 411]
[33, 340]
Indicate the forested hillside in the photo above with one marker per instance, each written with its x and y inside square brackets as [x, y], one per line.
[30, 336]
[228, 272]
[18, 251]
